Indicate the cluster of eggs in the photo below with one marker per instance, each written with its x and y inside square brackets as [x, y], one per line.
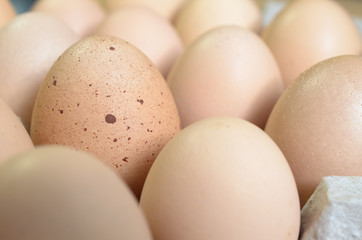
[183, 119]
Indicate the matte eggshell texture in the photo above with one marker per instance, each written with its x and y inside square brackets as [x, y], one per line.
[317, 123]
[13, 136]
[82, 16]
[309, 31]
[58, 193]
[7, 12]
[221, 178]
[148, 31]
[228, 71]
[166, 8]
[29, 45]
[199, 16]
[104, 96]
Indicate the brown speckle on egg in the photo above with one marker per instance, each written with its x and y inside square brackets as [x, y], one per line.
[110, 118]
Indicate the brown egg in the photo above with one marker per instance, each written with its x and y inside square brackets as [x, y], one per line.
[227, 71]
[148, 31]
[82, 16]
[13, 136]
[221, 178]
[317, 122]
[199, 16]
[309, 31]
[7, 12]
[59, 193]
[165, 8]
[29, 44]
[106, 97]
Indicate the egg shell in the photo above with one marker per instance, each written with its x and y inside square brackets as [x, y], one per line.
[106, 97]
[309, 31]
[29, 45]
[13, 136]
[55, 193]
[165, 8]
[82, 16]
[227, 71]
[317, 123]
[200, 16]
[7, 12]
[148, 31]
[221, 178]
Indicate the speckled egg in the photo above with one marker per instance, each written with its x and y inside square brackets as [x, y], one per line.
[106, 97]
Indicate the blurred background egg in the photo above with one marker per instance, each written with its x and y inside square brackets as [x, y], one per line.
[309, 31]
[106, 97]
[317, 122]
[82, 16]
[59, 193]
[29, 45]
[228, 71]
[13, 136]
[199, 16]
[148, 31]
[221, 178]
[7, 12]
[166, 8]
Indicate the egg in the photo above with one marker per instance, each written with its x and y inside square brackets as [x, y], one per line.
[165, 8]
[199, 16]
[29, 45]
[13, 136]
[149, 32]
[317, 122]
[59, 193]
[82, 16]
[7, 12]
[227, 71]
[309, 31]
[106, 97]
[221, 178]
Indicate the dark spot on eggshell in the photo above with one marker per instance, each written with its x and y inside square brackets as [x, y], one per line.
[110, 118]
[61, 111]
[111, 48]
[129, 139]
[85, 129]
[90, 85]
[125, 159]
[140, 101]
[128, 127]
[115, 140]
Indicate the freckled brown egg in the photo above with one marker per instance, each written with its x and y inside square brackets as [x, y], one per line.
[7, 12]
[13, 136]
[29, 45]
[221, 178]
[199, 16]
[106, 97]
[148, 31]
[317, 122]
[228, 71]
[309, 31]
[59, 193]
[165, 8]
[82, 16]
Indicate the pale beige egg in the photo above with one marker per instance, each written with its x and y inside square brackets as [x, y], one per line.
[221, 178]
[13, 136]
[317, 123]
[228, 71]
[59, 193]
[148, 31]
[199, 16]
[309, 31]
[29, 45]
[82, 16]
